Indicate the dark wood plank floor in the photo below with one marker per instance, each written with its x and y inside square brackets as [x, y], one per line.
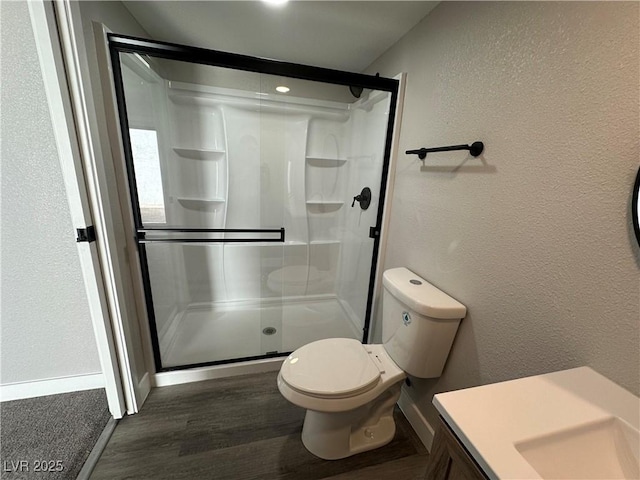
[240, 428]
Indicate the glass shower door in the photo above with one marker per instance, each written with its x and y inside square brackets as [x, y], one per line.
[250, 241]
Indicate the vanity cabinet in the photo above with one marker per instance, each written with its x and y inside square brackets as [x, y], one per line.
[449, 459]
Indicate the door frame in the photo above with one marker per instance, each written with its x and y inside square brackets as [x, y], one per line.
[128, 44]
[375, 335]
[58, 29]
[72, 156]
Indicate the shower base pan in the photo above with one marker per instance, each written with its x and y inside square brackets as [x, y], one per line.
[204, 333]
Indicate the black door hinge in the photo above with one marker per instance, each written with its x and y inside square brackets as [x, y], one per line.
[374, 232]
[86, 234]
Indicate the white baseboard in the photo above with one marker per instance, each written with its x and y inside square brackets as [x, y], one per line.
[217, 371]
[52, 386]
[420, 425]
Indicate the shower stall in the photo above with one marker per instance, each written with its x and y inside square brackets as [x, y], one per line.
[257, 191]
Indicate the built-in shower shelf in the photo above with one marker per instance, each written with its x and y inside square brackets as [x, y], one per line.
[198, 202]
[336, 203]
[286, 243]
[326, 161]
[265, 244]
[324, 242]
[199, 153]
[315, 206]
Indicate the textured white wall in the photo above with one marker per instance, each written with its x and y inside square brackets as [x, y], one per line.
[535, 237]
[45, 327]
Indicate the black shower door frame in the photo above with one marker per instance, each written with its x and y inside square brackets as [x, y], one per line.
[171, 51]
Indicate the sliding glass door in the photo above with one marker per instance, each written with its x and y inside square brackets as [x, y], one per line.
[257, 190]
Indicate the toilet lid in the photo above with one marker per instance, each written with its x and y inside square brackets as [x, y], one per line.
[335, 367]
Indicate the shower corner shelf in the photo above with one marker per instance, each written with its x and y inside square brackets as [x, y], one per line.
[188, 201]
[293, 243]
[325, 161]
[325, 242]
[336, 203]
[199, 153]
[324, 206]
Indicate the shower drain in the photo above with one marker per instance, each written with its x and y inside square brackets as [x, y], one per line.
[269, 330]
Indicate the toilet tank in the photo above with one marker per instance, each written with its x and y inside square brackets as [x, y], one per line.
[419, 323]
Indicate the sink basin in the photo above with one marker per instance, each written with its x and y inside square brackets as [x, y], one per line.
[571, 424]
[607, 448]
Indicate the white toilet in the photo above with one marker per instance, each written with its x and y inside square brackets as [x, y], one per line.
[349, 389]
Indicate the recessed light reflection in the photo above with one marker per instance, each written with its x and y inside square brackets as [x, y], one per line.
[282, 89]
[275, 3]
[294, 360]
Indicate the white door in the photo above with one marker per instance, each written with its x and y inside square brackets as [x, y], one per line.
[58, 32]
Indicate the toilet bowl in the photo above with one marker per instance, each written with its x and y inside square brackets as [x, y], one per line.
[349, 389]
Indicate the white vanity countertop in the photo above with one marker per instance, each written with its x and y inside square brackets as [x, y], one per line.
[490, 419]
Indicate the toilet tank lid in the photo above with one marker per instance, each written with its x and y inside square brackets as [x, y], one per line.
[420, 296]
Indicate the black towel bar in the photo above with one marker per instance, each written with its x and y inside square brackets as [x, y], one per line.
[475, 149]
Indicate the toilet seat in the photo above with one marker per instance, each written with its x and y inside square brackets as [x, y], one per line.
[331, 363]
[332, 368]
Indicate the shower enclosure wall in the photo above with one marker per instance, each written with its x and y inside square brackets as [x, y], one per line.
[251, 242]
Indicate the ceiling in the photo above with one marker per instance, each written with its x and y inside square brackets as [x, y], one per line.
[345, 35]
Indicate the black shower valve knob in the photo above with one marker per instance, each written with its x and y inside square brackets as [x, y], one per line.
[364, 198]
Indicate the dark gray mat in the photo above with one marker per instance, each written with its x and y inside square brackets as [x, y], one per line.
[50, 437]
